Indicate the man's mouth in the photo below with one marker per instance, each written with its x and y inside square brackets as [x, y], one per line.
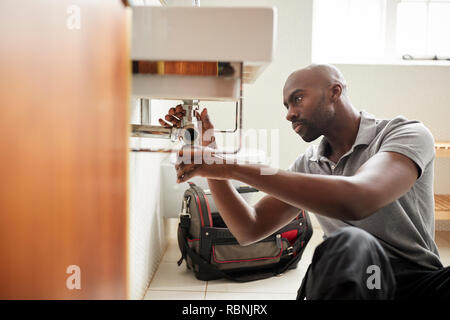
[297, 126]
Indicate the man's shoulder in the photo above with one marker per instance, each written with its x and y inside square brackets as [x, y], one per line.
[408, 137]
[402, 126]
[399, 121]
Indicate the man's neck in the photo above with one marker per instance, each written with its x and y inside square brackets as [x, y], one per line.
[341, 135]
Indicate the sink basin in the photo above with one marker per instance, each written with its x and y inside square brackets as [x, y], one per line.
[235, 35]
[204, 34]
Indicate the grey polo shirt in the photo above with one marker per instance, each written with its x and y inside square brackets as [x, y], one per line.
[405, 227]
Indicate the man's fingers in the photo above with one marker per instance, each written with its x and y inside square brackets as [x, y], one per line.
[197, 115]
[163, 123]
[179, 109]
[173, 120]
[204, 115]
[190, 156]
[173, 116]
[179, 165]
[186, 175]
[205, 119]
[179, 115]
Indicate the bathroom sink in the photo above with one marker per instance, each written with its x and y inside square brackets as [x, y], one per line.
[204, 34]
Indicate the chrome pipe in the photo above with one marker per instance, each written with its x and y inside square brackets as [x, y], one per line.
[188, 134]
[235, 122]
[145, 111]
[241, 101]
[148, 131]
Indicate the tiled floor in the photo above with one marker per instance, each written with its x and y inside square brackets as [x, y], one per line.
[177, 283]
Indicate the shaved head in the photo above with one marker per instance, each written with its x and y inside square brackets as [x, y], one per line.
[312, 96]
[318, 75]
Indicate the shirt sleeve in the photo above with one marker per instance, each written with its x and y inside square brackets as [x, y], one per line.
[411, 139]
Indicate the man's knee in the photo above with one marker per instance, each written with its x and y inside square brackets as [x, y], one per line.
[352, 235]
[348, 241]
[349, 256]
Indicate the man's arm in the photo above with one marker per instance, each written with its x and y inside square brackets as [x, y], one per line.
[249, 224]
[382, 179]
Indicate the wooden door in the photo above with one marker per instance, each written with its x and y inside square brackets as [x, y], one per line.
[64, 92]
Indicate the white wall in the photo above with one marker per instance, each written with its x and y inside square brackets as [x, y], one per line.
[147, 233]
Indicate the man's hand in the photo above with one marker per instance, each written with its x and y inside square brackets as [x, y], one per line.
[202, 162]
[174, 116]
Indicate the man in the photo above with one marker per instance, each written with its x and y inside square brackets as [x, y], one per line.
[369, 182]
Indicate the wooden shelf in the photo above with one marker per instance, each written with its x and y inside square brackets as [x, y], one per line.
[442, 206]
[442, 149]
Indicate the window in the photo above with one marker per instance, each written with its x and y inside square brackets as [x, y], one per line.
[423, 28]
[380, 30]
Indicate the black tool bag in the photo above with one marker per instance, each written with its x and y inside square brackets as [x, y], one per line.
[212, 252]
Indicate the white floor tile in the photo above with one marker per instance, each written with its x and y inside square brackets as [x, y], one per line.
[171, 277]
[249, 296]
[174, 295]
[286, 283]
[173, 253]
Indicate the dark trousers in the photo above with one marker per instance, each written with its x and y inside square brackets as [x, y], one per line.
[351, 264]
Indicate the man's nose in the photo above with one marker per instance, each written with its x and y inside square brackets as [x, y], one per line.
[291, 114]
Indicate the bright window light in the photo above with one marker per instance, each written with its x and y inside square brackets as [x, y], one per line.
[380, 30]
[439, 28]
[411, 28]
[348, 29]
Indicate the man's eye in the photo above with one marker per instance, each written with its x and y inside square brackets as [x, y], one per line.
[298, 99]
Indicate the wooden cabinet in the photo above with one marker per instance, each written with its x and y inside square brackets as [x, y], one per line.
[442, 149]
[442, 206]
[442, 201]
[64, 94]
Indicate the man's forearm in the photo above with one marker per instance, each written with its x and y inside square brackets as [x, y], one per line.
[236, 213]
[326, 195]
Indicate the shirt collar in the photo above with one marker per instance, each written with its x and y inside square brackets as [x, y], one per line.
[366, 133]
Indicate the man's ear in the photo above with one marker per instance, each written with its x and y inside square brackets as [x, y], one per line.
[336, 91]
